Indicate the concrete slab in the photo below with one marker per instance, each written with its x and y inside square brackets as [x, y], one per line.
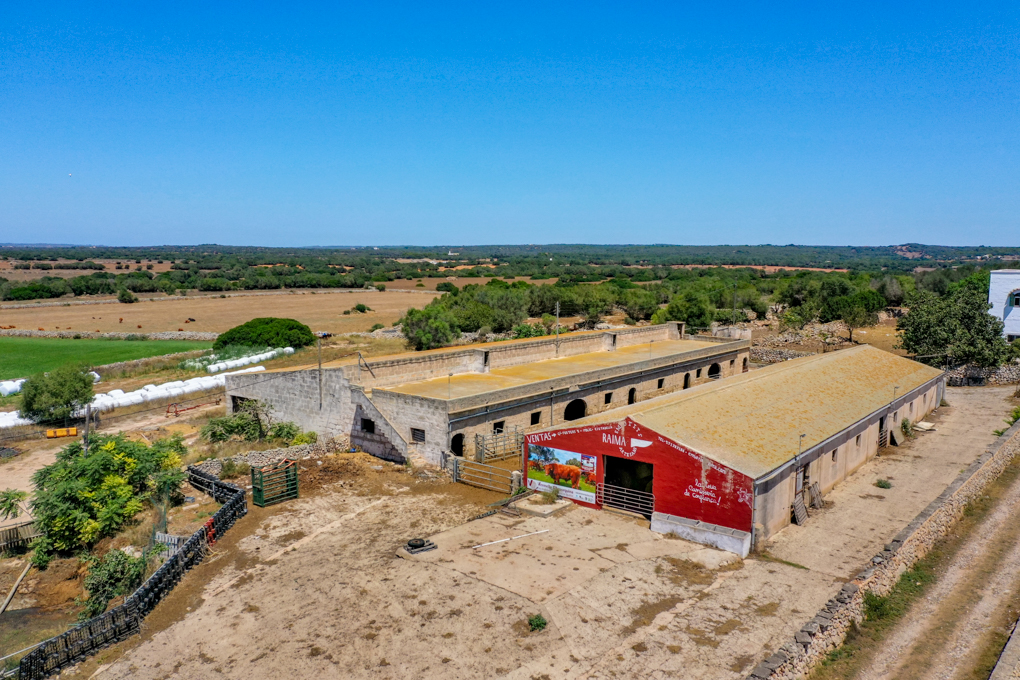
[535, 507]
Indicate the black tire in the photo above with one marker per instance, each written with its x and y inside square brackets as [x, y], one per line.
[416, 543]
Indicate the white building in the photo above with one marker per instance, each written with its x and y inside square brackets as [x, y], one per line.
[1004, 297]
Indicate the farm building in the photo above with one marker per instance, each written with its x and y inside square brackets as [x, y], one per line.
[457, 401]
[726, 463]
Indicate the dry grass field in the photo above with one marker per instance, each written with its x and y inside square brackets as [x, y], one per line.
[322, 310]
[460, 282]
[8, 271]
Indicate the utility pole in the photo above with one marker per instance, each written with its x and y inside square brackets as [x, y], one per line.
[318, 340]
[557, 329]
[88, 419]
[734, 322]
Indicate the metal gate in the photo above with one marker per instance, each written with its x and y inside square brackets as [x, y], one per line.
[622, 498]
[499, 446]
[485, 476]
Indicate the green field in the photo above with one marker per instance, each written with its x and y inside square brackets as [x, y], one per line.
[22, 357]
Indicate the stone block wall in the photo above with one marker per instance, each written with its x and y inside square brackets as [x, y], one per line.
[827, 630]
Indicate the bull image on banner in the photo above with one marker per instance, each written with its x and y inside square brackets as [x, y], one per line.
[570, 474]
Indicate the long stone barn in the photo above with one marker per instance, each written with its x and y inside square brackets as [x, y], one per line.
[426, 406]
[732, 462]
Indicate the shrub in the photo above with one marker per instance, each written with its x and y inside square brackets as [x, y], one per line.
[243, 424]
[10, 503]
[380, 286]
[116, 574]
[528, 331]
[59, 394]
[907, 427]
[285, 430]
[446, 287]
[361, 308]
[231, 469]
[537, 622]
[883, 484]
[305, 438]
[375, 327]
[430, 327]
[81, 499]
[126, 296]
[267, 332]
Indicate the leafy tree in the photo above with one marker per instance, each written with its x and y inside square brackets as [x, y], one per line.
[82, 498]
[858, 316]
[446, 287]
[542, 454]
[117, 573]
[59, 394]
[429, 328]
[267, 332]
[639, 303]
[11, 503]
[957, 326]
[126, 296]
[690, 308]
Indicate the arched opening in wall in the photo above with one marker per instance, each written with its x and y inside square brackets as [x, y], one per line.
[745, 365]
[457, 445]
[687, 380]
[714, 371]
[575, 409]
[632, 396]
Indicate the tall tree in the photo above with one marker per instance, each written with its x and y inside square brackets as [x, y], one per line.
[954, 329]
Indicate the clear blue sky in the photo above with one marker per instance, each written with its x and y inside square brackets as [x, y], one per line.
[151, 123]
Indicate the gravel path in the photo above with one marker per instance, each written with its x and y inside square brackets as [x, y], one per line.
[941, 631]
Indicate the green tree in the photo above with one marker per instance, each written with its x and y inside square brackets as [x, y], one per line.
[267, 332]
[59, 394]
[690, 308]
[82, 498]
[428, 328]
[11, 503]
[126, 296]
[858, 316]
[957, 328]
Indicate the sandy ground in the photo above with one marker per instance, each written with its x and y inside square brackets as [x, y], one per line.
[859, 518]
[322, 310]
[319, 591]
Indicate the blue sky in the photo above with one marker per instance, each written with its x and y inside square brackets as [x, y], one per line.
[376, 124]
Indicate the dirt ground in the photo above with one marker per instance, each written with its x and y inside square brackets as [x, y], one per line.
[883, 336]
[860, 518]
[322, 310]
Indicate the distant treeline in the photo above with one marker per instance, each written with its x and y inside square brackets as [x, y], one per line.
[225, 268]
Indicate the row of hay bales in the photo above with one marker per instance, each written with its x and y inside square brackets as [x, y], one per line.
[244, 361]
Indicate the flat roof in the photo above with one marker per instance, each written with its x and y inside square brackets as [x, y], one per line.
[472, 384]
[752, 422]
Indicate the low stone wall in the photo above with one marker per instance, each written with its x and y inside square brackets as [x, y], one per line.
[261, 458]
[135, 364]
[165, 335]
[827, 630]
[962, 376]
[769, 355]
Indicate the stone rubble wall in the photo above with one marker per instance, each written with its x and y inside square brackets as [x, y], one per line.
[765, 355]
[263, 458]
[827, 630]
[164, 335]
[1003, 375]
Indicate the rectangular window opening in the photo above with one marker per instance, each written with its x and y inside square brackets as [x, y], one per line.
[609, 397]
[417, 435]
[497, 427]
[834, 455]
[536, 418]
[368, 425]
[858, 441]
[662, 381]
[485, 359]
[698, 374]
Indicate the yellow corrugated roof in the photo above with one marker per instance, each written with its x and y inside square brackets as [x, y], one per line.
[470, 384]
[752, 422]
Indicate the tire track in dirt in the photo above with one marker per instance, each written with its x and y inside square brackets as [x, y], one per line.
[953, 616]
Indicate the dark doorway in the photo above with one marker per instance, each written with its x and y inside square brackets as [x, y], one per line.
[687, 380]
[714, 371]
[627, 486]
[745, 365]
[575, 409]
[632, 396]
[457, 445]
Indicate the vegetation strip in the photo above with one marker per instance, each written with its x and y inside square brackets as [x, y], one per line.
[921, 540]
[123, 621]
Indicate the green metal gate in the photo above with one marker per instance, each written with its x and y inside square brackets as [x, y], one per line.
[274, 483]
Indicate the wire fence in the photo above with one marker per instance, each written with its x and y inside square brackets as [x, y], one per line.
[123, 621]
